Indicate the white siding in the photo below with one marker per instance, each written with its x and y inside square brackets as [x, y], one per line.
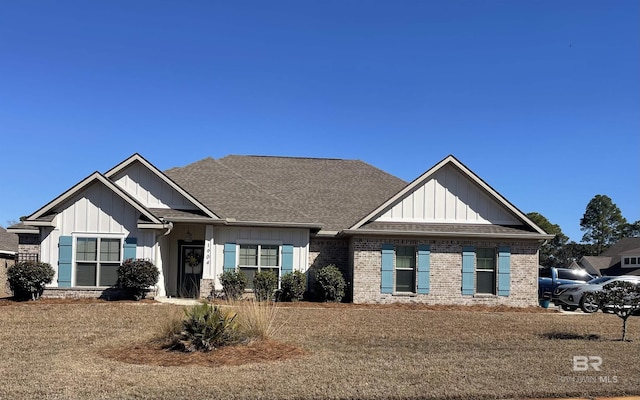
[149, 189]
[95, 210]
[449, 197]
[299, 238]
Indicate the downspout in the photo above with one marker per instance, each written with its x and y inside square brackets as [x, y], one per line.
[161, 287]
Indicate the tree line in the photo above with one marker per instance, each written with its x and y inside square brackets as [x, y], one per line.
[603, 225]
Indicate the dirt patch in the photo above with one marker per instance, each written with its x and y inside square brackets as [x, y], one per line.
[254, 352]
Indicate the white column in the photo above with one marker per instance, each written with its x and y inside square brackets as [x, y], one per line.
[161, 285]
[209, 264]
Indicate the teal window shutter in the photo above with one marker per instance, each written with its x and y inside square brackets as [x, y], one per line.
[229, 262]
[504, 271]
[387, 269]
[287, 258]
[130, 245]
[468, 261]
[424, 266]
[65, 256]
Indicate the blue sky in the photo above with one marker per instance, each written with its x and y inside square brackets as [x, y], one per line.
[540, 98]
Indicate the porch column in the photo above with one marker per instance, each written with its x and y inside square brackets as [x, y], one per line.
[208, 271]
[161, 285]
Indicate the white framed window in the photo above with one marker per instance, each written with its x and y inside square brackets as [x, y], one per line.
[631, 261]
[253, 258]
[97, 260]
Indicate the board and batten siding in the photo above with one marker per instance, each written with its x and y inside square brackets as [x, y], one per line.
[449, 196]
[95, 211]
[298, 238]
[149, 189]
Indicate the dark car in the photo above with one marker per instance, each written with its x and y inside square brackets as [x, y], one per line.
[549, 278]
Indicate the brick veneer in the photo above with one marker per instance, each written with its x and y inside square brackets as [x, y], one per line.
[446, 273]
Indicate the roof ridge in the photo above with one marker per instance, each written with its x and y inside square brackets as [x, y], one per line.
[290, 157]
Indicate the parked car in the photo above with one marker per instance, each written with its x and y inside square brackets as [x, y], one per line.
[550, 278]
[582, 295]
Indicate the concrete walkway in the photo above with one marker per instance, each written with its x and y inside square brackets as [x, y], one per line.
[178, 301]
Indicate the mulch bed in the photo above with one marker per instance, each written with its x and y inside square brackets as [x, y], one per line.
[308, 304]
[255, 352]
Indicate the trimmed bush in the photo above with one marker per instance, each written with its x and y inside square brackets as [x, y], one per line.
[265, 284]
[293, 286]
[136, 276]
[233, 284]
[205, 328]
[329, 284]
[27, 279]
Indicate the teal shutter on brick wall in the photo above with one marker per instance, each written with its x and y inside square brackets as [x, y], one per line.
[468, 261]
[424, 266]
[504, 271]
[130, 245]
[287, 258]
[386, 280]
[229, 262]
[65, 256]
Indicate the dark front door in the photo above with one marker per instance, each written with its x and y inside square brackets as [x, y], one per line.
[191, 257]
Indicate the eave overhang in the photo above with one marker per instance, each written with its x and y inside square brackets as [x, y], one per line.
[302, 225]
[466, 235]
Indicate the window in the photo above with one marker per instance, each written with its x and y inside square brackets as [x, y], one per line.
[405, 269]
[631, 261]
[255, 257]
[97, 261]
[486, 270]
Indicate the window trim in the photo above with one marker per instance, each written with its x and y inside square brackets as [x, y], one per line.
[259, 267]
[98, 236]
[494, 270]
[414, 269]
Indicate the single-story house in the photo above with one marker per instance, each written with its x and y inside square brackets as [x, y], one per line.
[623, 258]
[446, 237]
[8, 251]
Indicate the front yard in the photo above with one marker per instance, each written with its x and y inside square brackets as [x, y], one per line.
[67, 351]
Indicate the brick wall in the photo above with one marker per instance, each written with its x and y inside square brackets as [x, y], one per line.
[5, 263]
[446, 273]
[323, 252]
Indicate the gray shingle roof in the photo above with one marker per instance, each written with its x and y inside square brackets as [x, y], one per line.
[332, 192]
[8, 241]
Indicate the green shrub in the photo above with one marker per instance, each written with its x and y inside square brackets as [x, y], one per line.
[329, 284]
[293, 286]
[136, 276]
[205, 328]
[265, 284]
[233, 284]
[28, 278]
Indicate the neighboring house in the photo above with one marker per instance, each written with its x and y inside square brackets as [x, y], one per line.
[446, 237]
[8, 251]
[623, 258]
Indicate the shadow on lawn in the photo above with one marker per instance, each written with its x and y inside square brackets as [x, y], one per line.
[557, 335]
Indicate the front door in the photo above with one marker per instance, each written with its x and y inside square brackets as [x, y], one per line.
[191, 257]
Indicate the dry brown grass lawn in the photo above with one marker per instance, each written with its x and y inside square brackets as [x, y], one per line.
[86, 350]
